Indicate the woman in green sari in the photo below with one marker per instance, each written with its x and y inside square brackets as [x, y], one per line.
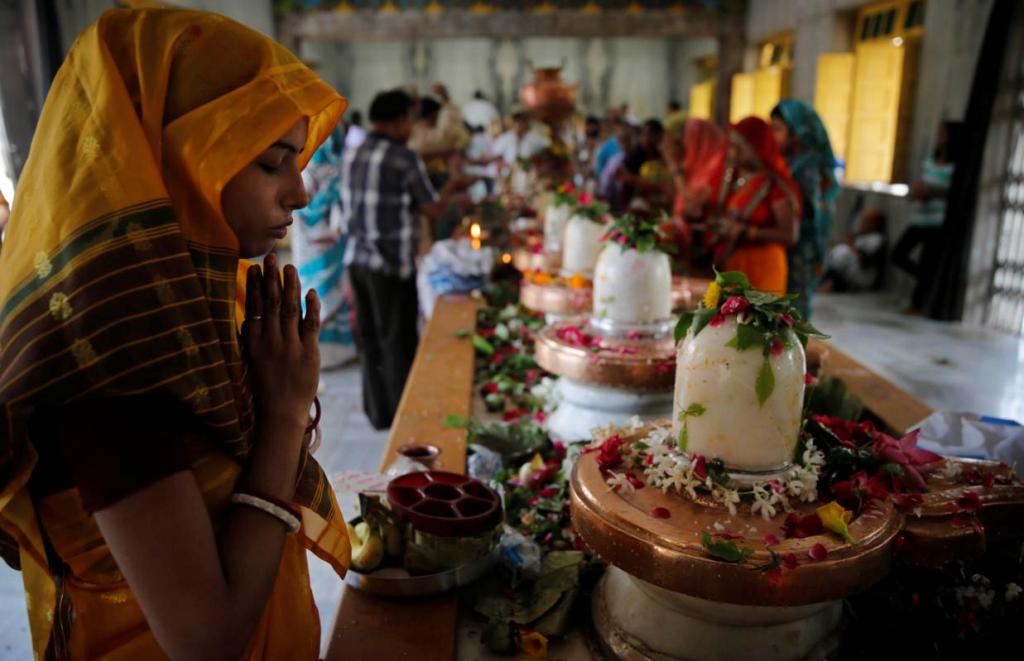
[805, 144]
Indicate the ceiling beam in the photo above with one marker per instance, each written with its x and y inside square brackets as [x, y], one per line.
[360, 25]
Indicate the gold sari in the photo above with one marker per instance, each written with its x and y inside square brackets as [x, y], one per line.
[119, 279]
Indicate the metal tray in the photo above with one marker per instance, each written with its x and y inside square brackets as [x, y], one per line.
[383, 582]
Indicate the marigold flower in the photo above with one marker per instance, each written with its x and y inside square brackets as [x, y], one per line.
[834, 517]
[534, 644]
[712, 295]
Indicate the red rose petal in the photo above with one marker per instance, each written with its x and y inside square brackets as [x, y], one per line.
[777, 348]
[660, 513]
[717, 320]
[818, 552]
[789, 560]
[809, 379]
[548, 492]
[770, 539]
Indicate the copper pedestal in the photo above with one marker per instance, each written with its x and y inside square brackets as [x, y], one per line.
[660, 564]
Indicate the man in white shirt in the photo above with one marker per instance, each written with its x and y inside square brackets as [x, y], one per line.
[479, 112]
[520, 142]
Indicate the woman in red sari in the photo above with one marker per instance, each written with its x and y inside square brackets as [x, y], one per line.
[694, 151]
[754, 212]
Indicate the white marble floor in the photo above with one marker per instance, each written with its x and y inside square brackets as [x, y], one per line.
[950, 366]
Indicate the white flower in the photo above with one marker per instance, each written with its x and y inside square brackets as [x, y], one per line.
[1012, 591]
[619, 482]
[762, 503]
[952, 469]
[547, 394]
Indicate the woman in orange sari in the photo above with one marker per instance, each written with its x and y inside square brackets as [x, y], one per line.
[755, 207]
[155, 487]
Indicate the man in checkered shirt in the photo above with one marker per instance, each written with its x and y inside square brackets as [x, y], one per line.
[384, 189]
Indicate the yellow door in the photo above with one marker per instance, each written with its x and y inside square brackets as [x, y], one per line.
[741, 101]
[702, 100]
[771, 85]
[833, 90]
[875, 117]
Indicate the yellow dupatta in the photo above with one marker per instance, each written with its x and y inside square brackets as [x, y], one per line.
[118, 278]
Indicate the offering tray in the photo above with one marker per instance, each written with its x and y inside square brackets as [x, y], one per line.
[395, 582]
[573, 349]
[535, 259]
[555, 298]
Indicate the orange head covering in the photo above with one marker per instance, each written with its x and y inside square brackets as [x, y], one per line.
[119, 268]
[754, 138]
[704, 153]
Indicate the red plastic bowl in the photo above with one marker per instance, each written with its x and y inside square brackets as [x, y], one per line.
[444, 504]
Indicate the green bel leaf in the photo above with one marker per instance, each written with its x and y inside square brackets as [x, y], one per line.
[765, 384]
[683, 325]
[732, 278]
[747, 336]
[701, 318]
[452, 421]
[482, 345]
[724, 549]
[696, 409]
[684, 438]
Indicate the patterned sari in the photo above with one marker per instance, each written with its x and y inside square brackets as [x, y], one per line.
[749, 200]
[813, 169]
[318, 249]
[119, 280]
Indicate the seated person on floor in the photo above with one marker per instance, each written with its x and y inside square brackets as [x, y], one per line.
[858, 263]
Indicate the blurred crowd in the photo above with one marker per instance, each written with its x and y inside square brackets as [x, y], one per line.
[756, 196]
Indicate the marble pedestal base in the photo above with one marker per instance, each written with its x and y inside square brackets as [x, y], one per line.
[584, 406]
[636, 620]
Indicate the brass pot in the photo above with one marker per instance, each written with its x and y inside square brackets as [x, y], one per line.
[549, 98]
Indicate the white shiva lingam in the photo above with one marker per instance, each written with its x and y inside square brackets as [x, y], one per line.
[618, 362]
[679, 585]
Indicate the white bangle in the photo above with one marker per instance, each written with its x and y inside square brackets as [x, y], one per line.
[290, 521]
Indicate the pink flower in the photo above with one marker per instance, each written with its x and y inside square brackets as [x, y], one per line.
[970, 501]
[905, 453]
[610, 453]
[717, 320]
[633, 335]
[700, 466]
[802, 526]
[586, 199]
[818, 552]
[735, 305]
[907, 501]
[635, 481]
[539, 416]
[512, 414]
[623, 239]
[660, 513]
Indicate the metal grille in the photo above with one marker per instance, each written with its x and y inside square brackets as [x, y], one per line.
[1006, 301]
